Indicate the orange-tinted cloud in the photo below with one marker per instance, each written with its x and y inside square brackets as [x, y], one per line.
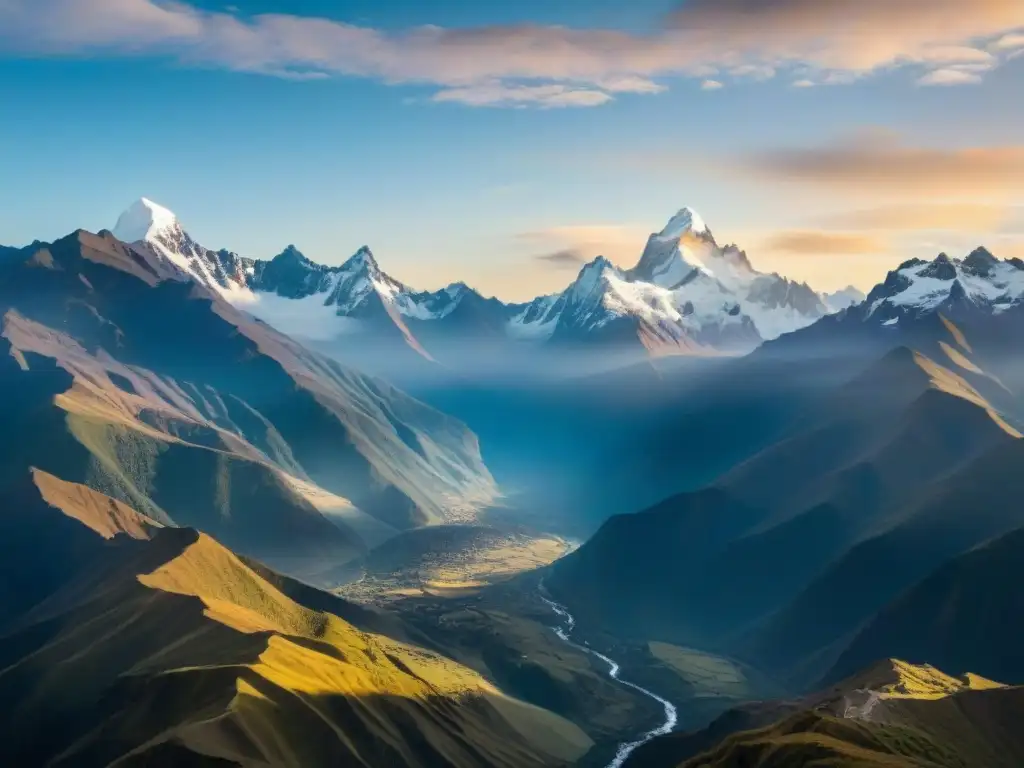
[880, 164]
[1009, 42]
[850, 34]
[621, 244]
[822, 243]
[823, 41]
[963, 217]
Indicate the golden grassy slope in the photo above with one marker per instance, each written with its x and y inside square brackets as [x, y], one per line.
[896, 679]
[176, 644]
[968, 728]
[951, 383]
[891, 714]
[104, 515]
[821, 741]
[343, 662]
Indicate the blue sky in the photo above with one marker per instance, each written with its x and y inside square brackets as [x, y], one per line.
[503, 132]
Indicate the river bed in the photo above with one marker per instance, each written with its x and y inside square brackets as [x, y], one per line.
[564, 631]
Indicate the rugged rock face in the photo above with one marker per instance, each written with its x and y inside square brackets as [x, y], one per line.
[290, 274]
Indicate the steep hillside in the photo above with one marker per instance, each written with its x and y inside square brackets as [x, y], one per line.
[818, 510]
[199, 415]
[975, 504]
[973, 731]
[891, 693]
[692, 569]
[965, 615]
[172, 648]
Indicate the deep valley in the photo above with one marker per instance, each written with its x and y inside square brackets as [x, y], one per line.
[224, 546]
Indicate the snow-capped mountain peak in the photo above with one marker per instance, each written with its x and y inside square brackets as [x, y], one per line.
[590, 279]
[150, 224]
[685, 289]
[361, 260]
[144, 220]
[674, 253]
[980, 262]
[686, 220]
[920, 287]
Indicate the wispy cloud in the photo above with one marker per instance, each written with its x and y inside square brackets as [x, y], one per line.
[880, 164]
[498, 94]
[951, 217]
[1009, 42]
[711, 85]
[753, 71]
[950, 76]
[568, 258]
[829, 41]
[853, 35]
[820, 243]
[621, 244]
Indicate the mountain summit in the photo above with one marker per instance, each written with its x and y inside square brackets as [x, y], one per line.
[144, 220]
[156, 230]
[670, 255]
[687, 220]
[685, 292]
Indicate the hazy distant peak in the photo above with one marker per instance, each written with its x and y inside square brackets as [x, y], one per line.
[844, 298]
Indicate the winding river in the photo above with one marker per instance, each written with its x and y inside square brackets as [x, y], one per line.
[671, 716]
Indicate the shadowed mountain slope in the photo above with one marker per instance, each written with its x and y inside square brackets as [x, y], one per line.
[701, 566]
[974, 505]
[966, 614]
[199, 415]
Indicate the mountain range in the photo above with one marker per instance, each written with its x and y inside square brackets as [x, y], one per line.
[686, 295]
[794, 487]
[876, 515]
[981, 294]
